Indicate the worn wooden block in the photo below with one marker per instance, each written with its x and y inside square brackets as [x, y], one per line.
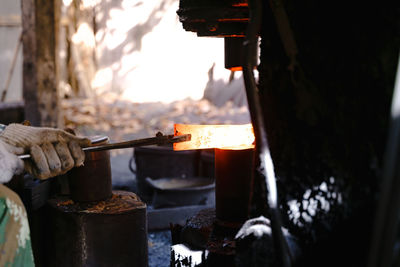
[104, 233]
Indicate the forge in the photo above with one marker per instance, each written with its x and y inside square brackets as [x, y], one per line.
[234, 165]
[214, 230]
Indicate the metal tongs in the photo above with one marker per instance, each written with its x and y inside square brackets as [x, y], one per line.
[159, 139]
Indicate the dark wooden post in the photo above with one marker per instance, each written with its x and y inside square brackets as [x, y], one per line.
[39, 24]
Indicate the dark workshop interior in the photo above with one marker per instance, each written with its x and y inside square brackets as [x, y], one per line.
[224, 133]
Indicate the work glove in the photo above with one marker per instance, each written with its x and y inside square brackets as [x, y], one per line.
[10, 164]
[53, 151]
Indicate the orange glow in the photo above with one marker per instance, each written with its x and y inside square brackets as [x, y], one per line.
[215, 136]
[241, 4]
[239, 68]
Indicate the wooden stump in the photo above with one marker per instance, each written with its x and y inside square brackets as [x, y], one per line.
[104, 233]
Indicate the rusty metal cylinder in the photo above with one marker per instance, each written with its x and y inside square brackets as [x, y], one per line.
[233, 178]
[105, 233]
[92, 181]
[234, 51]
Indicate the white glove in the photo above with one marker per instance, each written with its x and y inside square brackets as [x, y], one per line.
[10, 164]
[53, 151]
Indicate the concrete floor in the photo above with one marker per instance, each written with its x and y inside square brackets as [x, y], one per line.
[122, 177]
[159, 248]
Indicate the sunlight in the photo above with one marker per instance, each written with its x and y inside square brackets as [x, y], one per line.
[102, 78]
[84, 35]
[67, 2]
[157, 60]
[89, 3]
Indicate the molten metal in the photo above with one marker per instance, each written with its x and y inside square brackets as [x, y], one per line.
[233, 137]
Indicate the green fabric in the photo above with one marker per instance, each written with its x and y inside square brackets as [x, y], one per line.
[17, 256]
[23, 257]
[4, 216]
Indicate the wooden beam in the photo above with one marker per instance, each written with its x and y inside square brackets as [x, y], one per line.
[39, 25]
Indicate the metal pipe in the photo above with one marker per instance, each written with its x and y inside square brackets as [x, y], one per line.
[92, 181]
[266, 168]
[233, 50]
[160, 139]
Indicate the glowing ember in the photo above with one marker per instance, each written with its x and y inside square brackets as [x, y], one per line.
[215, 136]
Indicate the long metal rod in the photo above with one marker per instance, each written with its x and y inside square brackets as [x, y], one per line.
[158, 140]
[388, 208]
[257, 118]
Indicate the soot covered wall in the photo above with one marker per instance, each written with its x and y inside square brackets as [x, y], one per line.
[327, 121]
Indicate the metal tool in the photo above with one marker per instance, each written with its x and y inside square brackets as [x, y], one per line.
[159, 139]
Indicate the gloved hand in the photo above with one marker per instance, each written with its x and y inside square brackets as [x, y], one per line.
[53, 151]
[10, 164]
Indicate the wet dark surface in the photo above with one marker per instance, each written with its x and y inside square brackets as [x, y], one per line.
[159, 248]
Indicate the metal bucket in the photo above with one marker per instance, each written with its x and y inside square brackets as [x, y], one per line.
[172, 192]
[158, 162]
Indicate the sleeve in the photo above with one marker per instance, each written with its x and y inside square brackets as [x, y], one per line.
[10, 164]
[2, 127]
[15, 243]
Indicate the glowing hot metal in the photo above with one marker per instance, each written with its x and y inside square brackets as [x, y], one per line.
[215, 136]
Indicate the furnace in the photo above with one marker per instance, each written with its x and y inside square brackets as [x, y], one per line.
[214, 230]
[234, 165]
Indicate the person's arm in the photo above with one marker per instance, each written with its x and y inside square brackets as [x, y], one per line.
[53, 151]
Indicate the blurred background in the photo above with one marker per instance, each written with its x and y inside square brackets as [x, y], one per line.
[127, 69]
